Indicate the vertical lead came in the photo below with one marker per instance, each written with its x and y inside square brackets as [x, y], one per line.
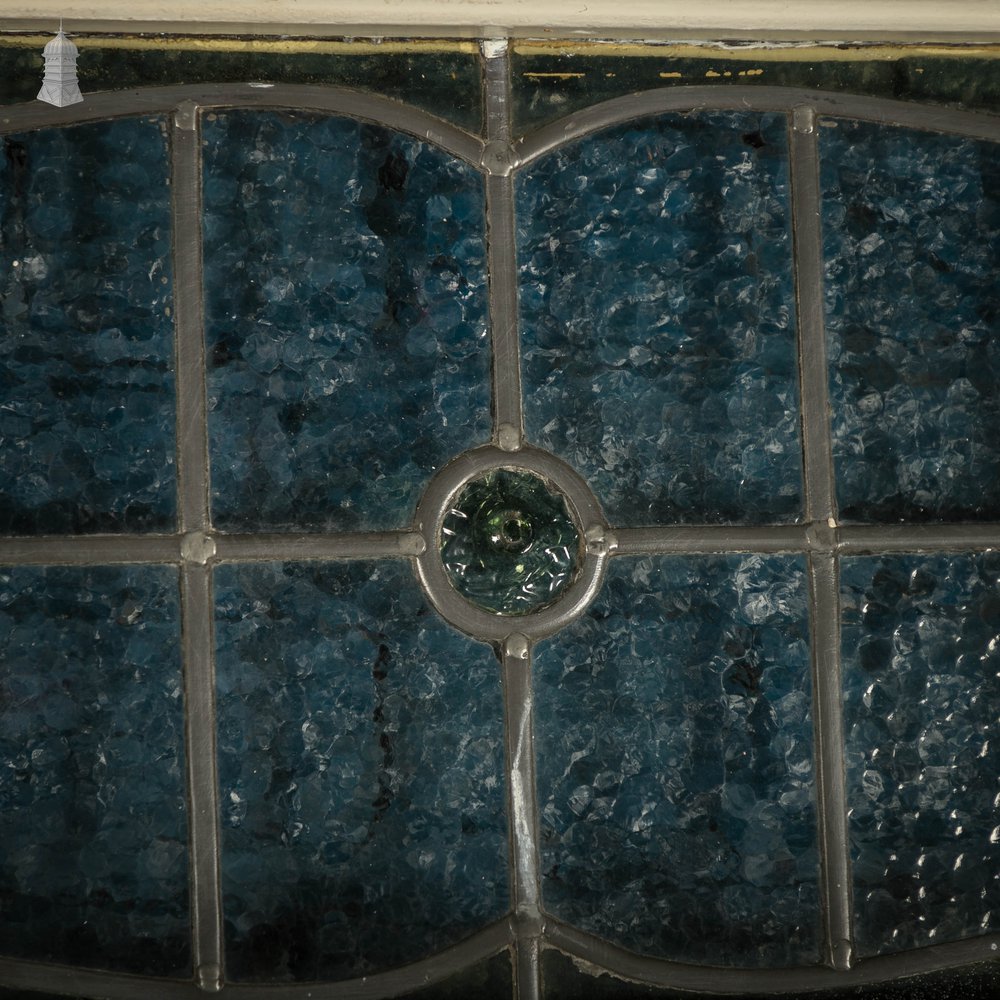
[520, 752]
[498, 162]
[822, 539]
[197, 551]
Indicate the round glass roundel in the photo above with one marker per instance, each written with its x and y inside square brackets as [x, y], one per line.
[509, 544]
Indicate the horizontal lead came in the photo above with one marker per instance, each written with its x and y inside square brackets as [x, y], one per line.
[917, 537]
[701, 538]
[84, 550]
[788, 982]
[103, 550]
[491, 940]
[361, 545]
[845, 539]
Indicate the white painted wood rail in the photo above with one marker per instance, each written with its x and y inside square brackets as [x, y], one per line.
[903, 20]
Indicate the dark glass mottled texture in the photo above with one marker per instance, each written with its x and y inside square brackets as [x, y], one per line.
[442, 77]
[86, 334]
[675, 777]
[489, 980]
[922, 700]
[361, 772]
[912, 241]
[345, 311]
[93, 869]
[15, 994]
[509, 543]
[563, 979]
[552, 81]
[657, 305]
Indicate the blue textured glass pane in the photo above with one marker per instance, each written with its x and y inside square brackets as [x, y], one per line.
[675, 774]
[361, 770]
[922, 700]
[93, 867]
[345, 311]
[657, 304]
[912, 241]
[86, 343]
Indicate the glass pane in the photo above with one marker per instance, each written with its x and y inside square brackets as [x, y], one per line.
[345, 297]
[86, 351]
[675, 773]
[912, 239]
[17, 994]
[552, 79]
[489, 980]
[92, 818]
[922, 699]
[361, 772]
[657, 305]
[564, 979]
[509, 543]
[442, 76]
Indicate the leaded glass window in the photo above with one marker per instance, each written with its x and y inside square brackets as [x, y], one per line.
[534, 544]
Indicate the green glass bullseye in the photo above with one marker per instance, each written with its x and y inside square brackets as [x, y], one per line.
[509, 544]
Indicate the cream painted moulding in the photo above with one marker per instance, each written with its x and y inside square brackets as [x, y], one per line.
[859, 20]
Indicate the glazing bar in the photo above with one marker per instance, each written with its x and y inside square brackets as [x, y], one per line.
[196, 575]
[835, 870]
[871, 538]
[705, 538]
[84, 550]
[192, 413]
[828, 723]
[739, 97]
[792, 982]
[309, 97]
[520, 766]
[407, 979]
[199, 706]
[78, 982]
[498, 162]
[521, 773]
[302, 548]
[813, 392]
[855, 539]
[69, 981]
[496, 57]
[156, 100]
[528, 970]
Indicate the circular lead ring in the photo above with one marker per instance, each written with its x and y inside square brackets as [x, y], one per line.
[583, 508]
